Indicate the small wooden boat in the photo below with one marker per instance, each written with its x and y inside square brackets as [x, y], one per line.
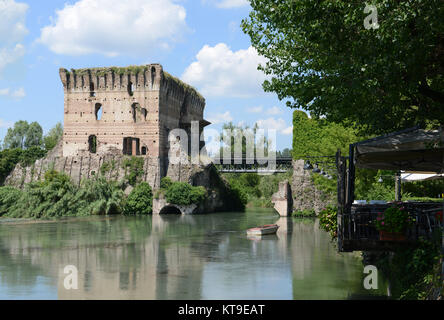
[263, 230]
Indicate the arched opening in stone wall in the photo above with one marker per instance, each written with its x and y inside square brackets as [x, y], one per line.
[144, 113]
[92, 144]
[98, 111]
[92, 92]
[134, 108]
[144, 151]
[130, 88]
[170, 210]
[153, 76]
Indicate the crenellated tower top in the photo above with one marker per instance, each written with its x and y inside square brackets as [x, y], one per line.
[132, 79]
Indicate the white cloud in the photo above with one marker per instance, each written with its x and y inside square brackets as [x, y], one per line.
[255, 109]
[275, 124]
[16, 94]
[115, 27]
[274, 111]
[12, 21]
[288, 131]
[220, 118]
[19, 93]
[12, 31]
[10, 55]
[219, 71]
[228, 4]
[5, 124]
[4, 92]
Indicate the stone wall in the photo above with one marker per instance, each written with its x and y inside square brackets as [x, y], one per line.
[81, 167]
[283, 199]
[305, 194]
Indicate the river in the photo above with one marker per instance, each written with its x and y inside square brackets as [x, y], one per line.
[177, 257]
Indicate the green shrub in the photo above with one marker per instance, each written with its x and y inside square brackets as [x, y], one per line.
[328, 221]
[166, 183]
[182, 193]
[57, 196]
[53, 197]
[140, 200]
[9, 196]
[414, 272]
[30, 155]
[133, 170]
[100, 196]
[236, 197]
[105, 168]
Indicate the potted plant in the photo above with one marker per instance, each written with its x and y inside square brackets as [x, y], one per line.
[393, 223]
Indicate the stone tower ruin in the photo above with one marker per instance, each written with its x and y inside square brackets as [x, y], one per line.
[111, 113]
[126, 111]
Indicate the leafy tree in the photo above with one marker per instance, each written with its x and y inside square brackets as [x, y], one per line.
[286, 153]
[16, 136]
[241, 134]
[317, 137]
[248, 182]
[9, 158]
[53, 137]
[140, 200]
[23, 135]
[182, 193]
[323, 60]
[34, 136]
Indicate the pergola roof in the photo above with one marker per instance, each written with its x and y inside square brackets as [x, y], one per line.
[414, 176]
[410, 150]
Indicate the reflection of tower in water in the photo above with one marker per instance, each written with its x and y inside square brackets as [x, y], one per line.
[156, 268]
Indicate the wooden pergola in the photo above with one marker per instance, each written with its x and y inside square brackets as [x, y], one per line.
[413, 149]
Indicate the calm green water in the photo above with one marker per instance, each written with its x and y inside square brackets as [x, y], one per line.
[176, 257]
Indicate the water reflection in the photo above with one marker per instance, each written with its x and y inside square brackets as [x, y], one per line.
[175, 257]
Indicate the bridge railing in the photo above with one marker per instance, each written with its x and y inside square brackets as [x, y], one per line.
[239, 165]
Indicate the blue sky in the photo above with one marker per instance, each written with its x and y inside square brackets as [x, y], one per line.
[199, 41]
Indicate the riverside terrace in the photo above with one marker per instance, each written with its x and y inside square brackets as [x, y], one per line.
[409, 150]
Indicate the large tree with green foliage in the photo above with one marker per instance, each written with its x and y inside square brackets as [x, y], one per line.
[318, 137]
[23, 135]
[34, 135]
[323, 59]
[16, 136]
[245, 139]
[53, 136]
